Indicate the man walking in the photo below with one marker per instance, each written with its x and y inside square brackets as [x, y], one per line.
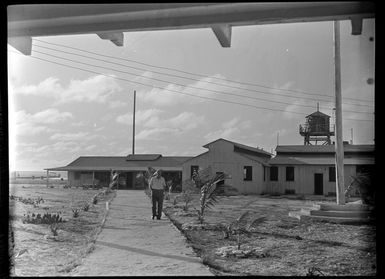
[157, 185]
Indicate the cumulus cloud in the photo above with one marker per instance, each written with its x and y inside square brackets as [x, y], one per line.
[230, 129]
[94, 89]
[173, 94]
[23, 123]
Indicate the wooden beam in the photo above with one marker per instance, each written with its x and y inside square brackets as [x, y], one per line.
[223, 34]
[116, 38]
[22, 44]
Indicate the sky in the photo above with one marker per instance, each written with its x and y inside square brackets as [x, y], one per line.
[264, 86]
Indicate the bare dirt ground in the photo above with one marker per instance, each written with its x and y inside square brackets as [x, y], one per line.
[290, 247]
[34, 253]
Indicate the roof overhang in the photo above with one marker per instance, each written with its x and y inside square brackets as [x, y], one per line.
[117, 168]
[109, 21]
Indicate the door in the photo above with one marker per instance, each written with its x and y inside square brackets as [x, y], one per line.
[318, 184]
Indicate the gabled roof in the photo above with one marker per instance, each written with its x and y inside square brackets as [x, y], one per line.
[143, 157]
[105, 163]
[318, 113]
[348, 148]
[242, 146]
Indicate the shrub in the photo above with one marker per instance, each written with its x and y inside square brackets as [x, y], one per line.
[54, 227]
[86, 207]
[47, 218]
[75, 212]
[242, 225]
[94, 200]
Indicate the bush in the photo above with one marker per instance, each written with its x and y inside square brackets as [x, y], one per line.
[75, 212]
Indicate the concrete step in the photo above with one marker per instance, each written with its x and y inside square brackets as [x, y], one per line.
[340, 213]
[337, 220]
[345, 207]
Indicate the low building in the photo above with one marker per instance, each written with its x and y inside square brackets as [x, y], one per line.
[245, 164]
[96, 170]
[310, 169]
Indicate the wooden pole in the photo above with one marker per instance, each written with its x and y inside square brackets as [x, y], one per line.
[339, 147]
[133, 126]
[47, 178]
[93, 179]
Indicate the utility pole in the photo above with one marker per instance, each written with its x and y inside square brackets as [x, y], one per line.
[351, 131]
[339, 147]
[133, 126]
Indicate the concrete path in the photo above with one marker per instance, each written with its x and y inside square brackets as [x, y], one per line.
[131, 243]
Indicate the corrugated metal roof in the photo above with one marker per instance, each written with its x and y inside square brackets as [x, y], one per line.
[318, 160]
[254, 149]
[121, 163]
[323, 148]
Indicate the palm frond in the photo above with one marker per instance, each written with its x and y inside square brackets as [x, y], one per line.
[256, 221]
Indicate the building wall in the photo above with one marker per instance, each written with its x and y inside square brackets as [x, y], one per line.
[304, 179]
[222, 158]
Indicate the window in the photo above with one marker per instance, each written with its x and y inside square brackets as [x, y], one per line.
[332, 174]
[273, 173]
[194, 169]
[289, 173]
[247, 173]
[264, 173]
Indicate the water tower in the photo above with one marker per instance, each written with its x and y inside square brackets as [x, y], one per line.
[317, 129]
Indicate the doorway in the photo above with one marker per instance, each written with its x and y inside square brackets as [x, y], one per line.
[318, 184]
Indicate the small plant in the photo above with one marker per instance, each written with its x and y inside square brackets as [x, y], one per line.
[208, 197]
[186, 197]
[175, 201]
[94, 200]
[242, 225]
[362, 185]
[314, 271]
[47, 218]
[54, 227]
[75, 212]
[86, 207]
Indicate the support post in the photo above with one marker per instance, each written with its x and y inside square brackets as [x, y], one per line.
[93, 180]
[133, 126]
[339, 147]
[47, 178]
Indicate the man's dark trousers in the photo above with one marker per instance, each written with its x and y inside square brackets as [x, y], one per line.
[157, 199]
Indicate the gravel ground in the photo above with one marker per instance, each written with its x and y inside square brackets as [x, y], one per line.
[290, 247]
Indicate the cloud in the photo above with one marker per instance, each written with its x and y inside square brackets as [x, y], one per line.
[69, 136]
[117, 104]
[94, 89]
[173, 94]
[23, 123]
[230, 129]
[155, 133]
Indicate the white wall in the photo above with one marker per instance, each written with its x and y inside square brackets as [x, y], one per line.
[304, 179]
[222, 158]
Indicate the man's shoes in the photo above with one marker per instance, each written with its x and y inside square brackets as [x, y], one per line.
[153, 216]
[158, 218]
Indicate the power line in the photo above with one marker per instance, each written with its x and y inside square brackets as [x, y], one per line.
[200, 75]
[136, 68]
[175, 91]
[182, 85]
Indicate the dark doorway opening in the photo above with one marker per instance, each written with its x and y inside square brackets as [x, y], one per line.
[318, 184]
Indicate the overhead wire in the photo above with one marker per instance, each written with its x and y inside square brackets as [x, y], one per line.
[183, 85]
[175, 91]
[205, 76]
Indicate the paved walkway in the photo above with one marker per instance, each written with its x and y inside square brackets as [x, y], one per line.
[131, 243]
